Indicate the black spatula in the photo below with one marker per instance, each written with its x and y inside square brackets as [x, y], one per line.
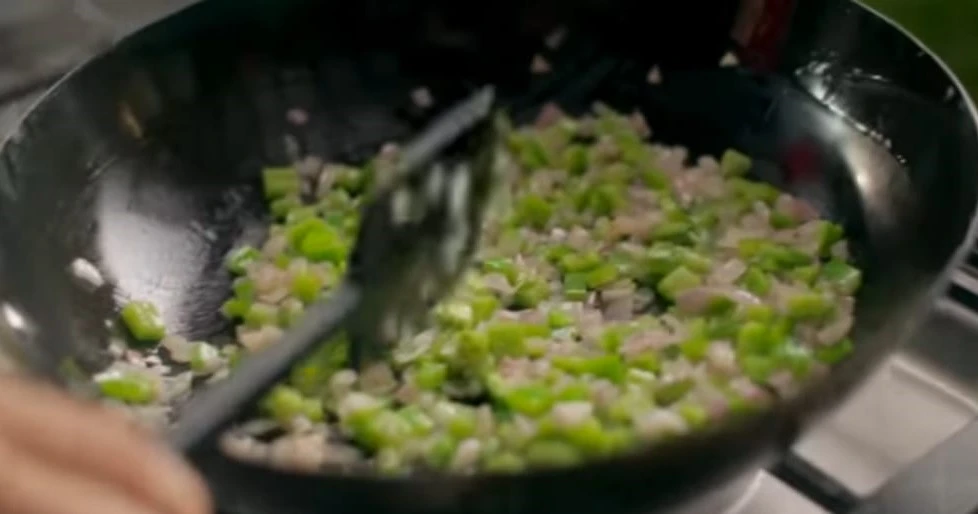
[418, 232]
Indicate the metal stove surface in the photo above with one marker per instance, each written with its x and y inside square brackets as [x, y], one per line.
[884, 444]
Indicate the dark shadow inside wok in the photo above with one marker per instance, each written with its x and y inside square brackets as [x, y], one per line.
[146, 163]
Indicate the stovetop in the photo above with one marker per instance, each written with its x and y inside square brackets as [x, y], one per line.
[904, 444]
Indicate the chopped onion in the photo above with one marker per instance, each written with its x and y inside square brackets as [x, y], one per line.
[729, 60]
[618, 304]
[297, 116]
[654, 76]
[422, 98]
[727, 273]
[659, 422]
[569, 414]
[836, 330]
[549, 114]
[539, 65]
[467, 454]
[721, 357]
[698, 300]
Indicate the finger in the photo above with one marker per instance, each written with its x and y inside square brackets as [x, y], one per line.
[85, 437]
[30, 486]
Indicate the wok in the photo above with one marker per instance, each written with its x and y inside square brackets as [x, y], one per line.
[145, 161]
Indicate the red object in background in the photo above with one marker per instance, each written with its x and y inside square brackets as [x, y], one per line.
[801, 162]
[760, 29]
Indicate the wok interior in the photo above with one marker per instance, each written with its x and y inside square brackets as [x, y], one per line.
[147, 161]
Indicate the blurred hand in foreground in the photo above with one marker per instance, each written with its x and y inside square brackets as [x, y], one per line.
[59, 455]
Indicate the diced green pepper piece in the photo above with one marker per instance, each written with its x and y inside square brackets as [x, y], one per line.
[734, 163]
[575, 287]
[261, 314]
[575, 160]
[509, 338]
[694, 348]
[280, 181]
[531, 400]
[828, 234]
[754, 191]
[532, 153]
[456, 315]
[244, 288]
[754, 338]
[605, 199]
[805, 274]
[606, 366]
[297, 232]
[204, 358]
[299, 214]
[668, 393]
[602, 276]
[761, 313]
[678, 231]
[693, 260]
[530, 293]
[284, 403]
[833, 354]
[131, 388]
[844, 278]
[588, 436]
[695, 415]
[324, 245]
[614, 336]
[809, 306]
[534, 210]
[462, 422]
[474, 348]
[508, 463]
[238, 260]
[546, 453]
[280, 207]
[758, 367]
[352, 180]
[780, 220]
[384, 429]
[484, 306]
[143, 321]
[430, 375]
[312, 409]
[558, 319]
[661, 259]
[677, 281]
[574, 391]
[796, 358]
[648, 360]
[421, 423]
[235, 308]
[440, 449]
[655, 178]
[306, 286]
[579, 263]
[756, 281]
[504, 267]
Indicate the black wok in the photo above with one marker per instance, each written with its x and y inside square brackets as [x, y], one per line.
[145, 162]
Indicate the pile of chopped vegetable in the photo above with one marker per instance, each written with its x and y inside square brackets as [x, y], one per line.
[621, 296]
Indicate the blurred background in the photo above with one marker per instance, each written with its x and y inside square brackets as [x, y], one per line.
[948, 27]
[39, 38]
